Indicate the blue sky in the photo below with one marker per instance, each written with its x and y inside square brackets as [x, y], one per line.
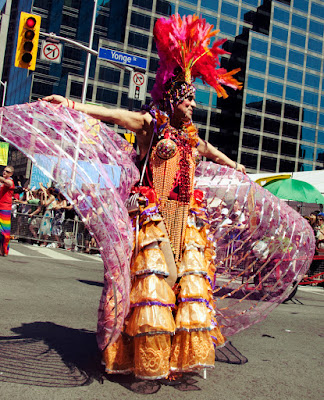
[2, 3]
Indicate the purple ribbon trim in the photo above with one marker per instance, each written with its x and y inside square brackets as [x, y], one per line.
[196, 300]
[152, 303]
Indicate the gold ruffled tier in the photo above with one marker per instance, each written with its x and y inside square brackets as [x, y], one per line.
[157, 339]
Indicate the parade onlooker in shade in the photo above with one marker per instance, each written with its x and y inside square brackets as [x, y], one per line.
[47, 201]
[319, 231]
[313, 218]
[6, 194]
[59, 216]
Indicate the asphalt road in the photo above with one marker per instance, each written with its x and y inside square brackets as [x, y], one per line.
[49, 300]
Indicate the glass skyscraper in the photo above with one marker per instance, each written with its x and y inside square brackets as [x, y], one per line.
[276, 123]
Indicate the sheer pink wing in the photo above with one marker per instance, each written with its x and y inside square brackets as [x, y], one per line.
[262, 246]
[93, 167]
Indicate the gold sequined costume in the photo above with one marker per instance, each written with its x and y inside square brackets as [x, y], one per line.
[170, 329]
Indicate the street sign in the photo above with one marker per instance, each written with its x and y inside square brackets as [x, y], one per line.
[51, 52]
[137, 86]
[122, 58]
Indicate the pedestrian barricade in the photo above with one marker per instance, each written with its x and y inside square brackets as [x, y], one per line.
[71, 234]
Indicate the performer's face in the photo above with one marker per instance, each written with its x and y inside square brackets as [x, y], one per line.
[185, 109]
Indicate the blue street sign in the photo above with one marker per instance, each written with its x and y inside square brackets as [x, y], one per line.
[122, 58]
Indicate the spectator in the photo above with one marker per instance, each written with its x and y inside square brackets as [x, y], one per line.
[59, 216]
[319, 231]
[6, 194]
[47, 201]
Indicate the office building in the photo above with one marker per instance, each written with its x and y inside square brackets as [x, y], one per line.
[276, 123]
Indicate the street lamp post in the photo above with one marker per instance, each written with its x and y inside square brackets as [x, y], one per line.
[4, 84]
[87, 66]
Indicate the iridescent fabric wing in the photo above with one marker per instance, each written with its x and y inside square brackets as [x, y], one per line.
[93, 167]
[262, 246]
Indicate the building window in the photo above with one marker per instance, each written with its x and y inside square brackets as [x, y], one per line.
[268, 163]
[308, 135]
[252, 122]
[312, 80]
[311, 98]
[306, 152]
[299, 22]
[254, 102]
[227, 27]
[138, 40]
[259, 46]
[210, 4]
[281, 15]
[256, 64]
[229, 9]
[202, 97]
[310, 116]
[270, 145]
[280, 33]
[291, 112]
[295, 57]
[164, 7]
[293, 93]
[251, 141]
[250, 160]
[255, 83]
[288, 149]
[147, 4]
[313, 62]
[76, 89]
[275, 88]
[290, 130]
[317, 10]
[320, 137]
[271, 126]
[315, 45]
[301, 5]
[277, 70]
[297, 40]
[140, 20]
[316, 28]
[295, 75]
[273, 107]
[278, 52]
[286, 166]
[107, 96]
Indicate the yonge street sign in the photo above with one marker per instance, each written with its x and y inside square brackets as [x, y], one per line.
[122, 58]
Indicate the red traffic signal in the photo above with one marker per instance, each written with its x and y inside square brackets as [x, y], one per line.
[27, 42]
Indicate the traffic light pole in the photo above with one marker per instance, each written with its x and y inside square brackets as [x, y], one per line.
[4, 84]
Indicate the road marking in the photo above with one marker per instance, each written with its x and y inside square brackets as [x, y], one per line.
[13, 252]
[57, 254]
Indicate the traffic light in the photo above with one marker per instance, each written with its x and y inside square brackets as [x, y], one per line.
[27, 42]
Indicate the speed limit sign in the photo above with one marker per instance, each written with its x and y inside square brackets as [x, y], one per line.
[51, 52]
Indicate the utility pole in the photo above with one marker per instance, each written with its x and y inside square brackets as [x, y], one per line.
[87, 65]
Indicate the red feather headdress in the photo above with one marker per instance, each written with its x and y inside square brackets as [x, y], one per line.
[184, 43]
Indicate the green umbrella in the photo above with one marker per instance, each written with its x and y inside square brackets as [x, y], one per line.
[292, 189]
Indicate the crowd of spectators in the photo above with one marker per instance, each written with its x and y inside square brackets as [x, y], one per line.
[316, 220]
[44, 217]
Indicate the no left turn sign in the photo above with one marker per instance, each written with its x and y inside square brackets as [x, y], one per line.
[51, 52]
[138, 78]
[137, 86]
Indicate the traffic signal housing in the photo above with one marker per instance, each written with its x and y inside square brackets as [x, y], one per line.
[27, 42]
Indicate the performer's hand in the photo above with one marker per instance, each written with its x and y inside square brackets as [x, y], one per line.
[56, 99]
[240, 168]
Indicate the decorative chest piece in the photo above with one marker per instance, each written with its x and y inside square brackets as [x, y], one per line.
[166, 148]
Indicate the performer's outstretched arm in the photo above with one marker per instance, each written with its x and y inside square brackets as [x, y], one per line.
[136, 121]
[211, 152]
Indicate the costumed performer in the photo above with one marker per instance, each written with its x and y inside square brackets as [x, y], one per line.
[172, 326]
[6, 194]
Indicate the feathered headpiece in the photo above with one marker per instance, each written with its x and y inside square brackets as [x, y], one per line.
[182, 44]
